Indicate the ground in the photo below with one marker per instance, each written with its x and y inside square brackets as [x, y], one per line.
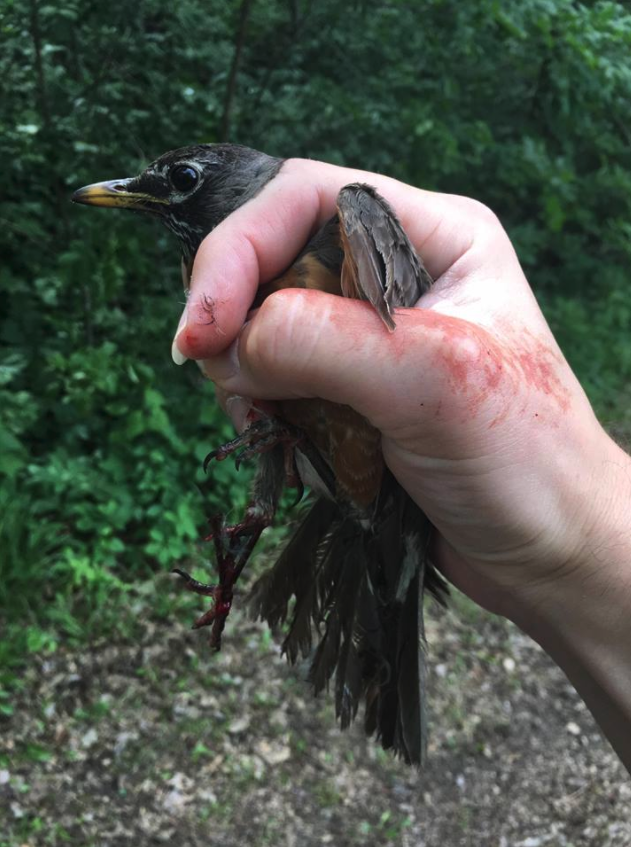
[152, 740]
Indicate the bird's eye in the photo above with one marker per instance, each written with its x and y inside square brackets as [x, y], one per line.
[184, 178]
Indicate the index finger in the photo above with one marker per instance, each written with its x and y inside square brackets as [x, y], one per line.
[261, 239]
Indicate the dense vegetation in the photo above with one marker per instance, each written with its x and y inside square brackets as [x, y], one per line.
[526, 106]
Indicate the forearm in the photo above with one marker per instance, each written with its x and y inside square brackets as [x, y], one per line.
[582, 619]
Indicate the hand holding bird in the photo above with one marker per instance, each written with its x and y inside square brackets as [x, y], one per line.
[466, 412]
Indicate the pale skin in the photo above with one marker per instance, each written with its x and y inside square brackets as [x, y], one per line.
[482, 419]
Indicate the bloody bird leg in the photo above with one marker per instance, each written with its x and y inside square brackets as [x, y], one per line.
[272, 440]
[230, 562]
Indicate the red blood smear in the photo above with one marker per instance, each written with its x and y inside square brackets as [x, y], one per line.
[479, 366]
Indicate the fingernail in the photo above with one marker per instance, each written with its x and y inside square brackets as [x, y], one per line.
[178, 357]
[238, 408]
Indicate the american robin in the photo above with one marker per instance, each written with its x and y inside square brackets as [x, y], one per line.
[350, 581]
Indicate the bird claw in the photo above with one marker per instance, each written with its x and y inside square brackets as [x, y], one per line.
[209, 458]
[261, 436]
[221, 594]
[255, 520]
[194, 585]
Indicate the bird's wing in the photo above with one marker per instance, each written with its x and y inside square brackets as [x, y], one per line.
[380, 264]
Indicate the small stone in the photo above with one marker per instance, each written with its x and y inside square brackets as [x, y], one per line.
[441, 671]
[573, 728]
[89, 739]
[184, 709]
[273, 754]
[174, 801]
[180, 782]
[509, 665]
[207, 796]
[122, 740]
[5, 776]
[279, 719]
[460, 781]
[239, 725]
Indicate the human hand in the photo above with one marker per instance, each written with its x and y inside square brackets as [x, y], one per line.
[483, 422]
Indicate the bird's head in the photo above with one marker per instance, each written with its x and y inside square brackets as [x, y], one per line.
[191, 189]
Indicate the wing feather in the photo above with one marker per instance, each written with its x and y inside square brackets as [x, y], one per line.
[380, 263]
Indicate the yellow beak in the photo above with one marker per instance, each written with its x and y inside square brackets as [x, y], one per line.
[115, 194]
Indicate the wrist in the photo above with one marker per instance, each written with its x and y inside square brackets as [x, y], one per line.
[589, 575]
[582, 615]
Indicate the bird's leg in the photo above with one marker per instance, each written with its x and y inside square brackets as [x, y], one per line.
[266, 435]
[234, 544]
[275, 443]
[231, 560]
[265, 494]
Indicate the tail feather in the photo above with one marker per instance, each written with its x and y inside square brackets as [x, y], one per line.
[340, 581]
[411, 731]
[293, 576]
[358, 584]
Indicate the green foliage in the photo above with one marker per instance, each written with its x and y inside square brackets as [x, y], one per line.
[525, 106]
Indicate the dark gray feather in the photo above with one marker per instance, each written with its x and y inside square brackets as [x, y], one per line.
[389, 272]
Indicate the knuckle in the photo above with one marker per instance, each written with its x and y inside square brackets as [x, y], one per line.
[488, 229]
[460, 358]
[482, 214]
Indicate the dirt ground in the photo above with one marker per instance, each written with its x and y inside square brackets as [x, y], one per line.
[158, 742]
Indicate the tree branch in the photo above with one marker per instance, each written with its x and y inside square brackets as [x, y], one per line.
[244, 14]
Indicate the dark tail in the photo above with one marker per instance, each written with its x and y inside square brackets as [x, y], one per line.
[357, 583]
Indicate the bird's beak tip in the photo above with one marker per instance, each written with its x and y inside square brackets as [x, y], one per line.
[80, 195]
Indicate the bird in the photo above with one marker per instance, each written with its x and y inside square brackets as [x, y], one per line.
[349, 585]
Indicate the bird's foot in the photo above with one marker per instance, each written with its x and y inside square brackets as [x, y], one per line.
[261, 436]
[233, 548]
[256, 518]
[234, 543]
[222, 603]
